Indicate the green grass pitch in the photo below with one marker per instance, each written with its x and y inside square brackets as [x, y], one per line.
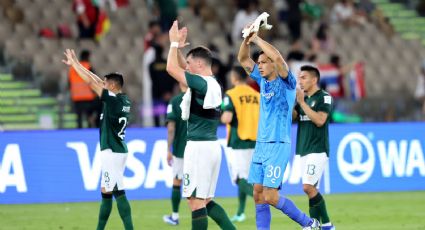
[364, 211]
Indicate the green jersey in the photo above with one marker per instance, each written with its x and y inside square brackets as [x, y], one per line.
[233, 140]
[174, 113]
[114, 120]
[310, 138]
[202, 123]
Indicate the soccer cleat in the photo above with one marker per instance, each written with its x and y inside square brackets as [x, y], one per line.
[169, 220]
[238, 218]
[314, 226]
[331, 227]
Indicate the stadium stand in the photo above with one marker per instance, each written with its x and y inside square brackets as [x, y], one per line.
[390, 61]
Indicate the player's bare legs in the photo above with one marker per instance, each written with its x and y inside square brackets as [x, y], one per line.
[310, 190]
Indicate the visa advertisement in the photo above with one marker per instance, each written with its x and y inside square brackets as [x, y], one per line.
[64, 165]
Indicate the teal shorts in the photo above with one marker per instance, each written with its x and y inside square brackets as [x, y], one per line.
[269, 163]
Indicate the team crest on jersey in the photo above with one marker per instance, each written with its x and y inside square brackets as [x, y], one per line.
[268, 95]
[312, 103]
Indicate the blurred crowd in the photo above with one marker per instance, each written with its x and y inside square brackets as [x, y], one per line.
[342, 78]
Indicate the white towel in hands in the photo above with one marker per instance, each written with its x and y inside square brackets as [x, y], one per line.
[185, 104]
[260, 22]
[212, 98]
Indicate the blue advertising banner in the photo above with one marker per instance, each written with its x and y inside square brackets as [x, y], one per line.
[64, 165]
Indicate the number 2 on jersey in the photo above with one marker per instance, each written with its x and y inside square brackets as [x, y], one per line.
[121, 133]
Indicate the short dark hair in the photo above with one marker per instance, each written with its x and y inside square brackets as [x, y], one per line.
[201, 52]
[255, 55]
[260, 53]
[115, 77]
[311, 69]
[85, 55]
[240, 72]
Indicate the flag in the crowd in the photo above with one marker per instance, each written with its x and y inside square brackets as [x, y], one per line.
[357, 83]
[103, 25]
[331, 80]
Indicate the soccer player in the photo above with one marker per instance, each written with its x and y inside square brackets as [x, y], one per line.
[114, 118]
[177, 129]
[241, 106]
[312, 111]
[202, 156]
[273, 147]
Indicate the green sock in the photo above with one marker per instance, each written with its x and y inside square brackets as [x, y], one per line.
[318, 208]
[175, 198]
[323, 212]
[242, 201]
[217, 213]
[200, 219]
[124, 210]
[246, 187]
[105, 211]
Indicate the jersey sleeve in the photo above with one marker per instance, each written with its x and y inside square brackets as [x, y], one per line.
[108, 96]
[290, 81]
[196, 82]
[171, 114]
[255, 74]
[227, 104]
[326, 104]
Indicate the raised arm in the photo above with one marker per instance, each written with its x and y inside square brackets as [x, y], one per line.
[173, 66]
[95, 82]
[273, 54]
[182, 44]
[244, 55]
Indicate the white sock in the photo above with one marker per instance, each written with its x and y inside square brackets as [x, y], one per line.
[175, 215]
[327, 224]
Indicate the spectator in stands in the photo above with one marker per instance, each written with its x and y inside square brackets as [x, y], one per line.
[219, 68]
[87, 16]
[366, 8]
[294, 18]
[420, 8]
[247, 13]
[295, 52]
[85, 102]
[167, 13]
[322, 41]
[154, 30]
[163, 84]
[335, 60]
[345, 12]
[420, 89]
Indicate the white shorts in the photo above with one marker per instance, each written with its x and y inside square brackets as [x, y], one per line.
[241, 162]
[200, 168]
[177, 168]
[312, 166]
[113, 166]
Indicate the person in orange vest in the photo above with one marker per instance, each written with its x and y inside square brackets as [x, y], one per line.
[241, 108]
[85, 101]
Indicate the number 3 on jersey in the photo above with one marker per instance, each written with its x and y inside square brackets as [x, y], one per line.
[121, 133]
